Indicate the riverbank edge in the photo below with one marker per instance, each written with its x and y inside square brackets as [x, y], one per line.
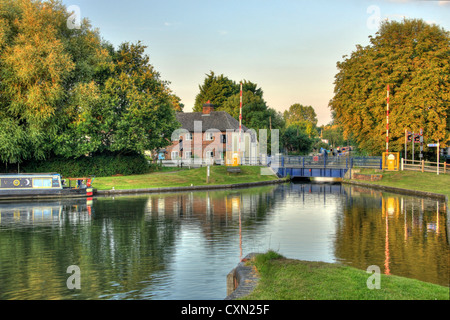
[398, 190]
[242, 280]
[245, 279]
[191, 188]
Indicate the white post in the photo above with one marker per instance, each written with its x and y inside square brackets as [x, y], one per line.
[387, 122]
[438, 157]
[240, 125]
[401, 164]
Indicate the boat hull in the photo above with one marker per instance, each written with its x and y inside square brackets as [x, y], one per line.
[46, 194]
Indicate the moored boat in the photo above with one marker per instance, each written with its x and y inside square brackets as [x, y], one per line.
[42, 185]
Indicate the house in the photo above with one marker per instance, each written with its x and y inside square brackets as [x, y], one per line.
[211, 135]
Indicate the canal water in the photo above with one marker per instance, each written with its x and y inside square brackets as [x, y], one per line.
[181, 246]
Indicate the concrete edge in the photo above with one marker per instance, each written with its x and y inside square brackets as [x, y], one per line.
[244, 278]
[190, 188]
[398, 190]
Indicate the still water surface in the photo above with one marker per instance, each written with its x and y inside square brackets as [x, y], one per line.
[183, 245]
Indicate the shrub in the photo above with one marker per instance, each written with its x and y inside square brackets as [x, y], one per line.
[99, 166]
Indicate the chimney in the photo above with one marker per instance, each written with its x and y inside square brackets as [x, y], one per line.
[208, 108]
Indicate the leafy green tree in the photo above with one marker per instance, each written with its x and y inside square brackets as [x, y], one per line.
[296, 141]
[334, 134]
[302, 117]
[33, 69]
[131, 112]
[300, 113]
[216, 90]
[65, 92]
[413, 58]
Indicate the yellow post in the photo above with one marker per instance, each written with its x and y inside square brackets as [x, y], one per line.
[391, 161]
[235, 159]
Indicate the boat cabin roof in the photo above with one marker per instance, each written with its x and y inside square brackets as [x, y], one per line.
[23, 175]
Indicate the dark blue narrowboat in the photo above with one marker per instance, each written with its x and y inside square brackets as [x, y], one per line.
[42, 185]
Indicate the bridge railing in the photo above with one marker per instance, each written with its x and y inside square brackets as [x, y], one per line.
[326, 162]
[285, 161]
[367, 162]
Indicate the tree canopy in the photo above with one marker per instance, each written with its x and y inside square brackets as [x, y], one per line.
[413, 58]
[65, 92]
[224, 93]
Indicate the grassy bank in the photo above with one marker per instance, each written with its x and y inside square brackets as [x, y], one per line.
[287, 279]
[181, 178]
[426, 181]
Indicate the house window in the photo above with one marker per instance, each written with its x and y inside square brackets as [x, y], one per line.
[174, 155]
[210, 154]
[209, 136]
[188, 154]
[223, 138]
[189, 136]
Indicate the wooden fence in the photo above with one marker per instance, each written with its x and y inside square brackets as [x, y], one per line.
[425, 166]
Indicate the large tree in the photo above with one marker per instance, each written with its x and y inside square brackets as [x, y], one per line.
[300, 113]
[216, 90]
[65, 92]
[224, 93]
[296, 141]
[34, 67]
[413, 58]
[130, 112]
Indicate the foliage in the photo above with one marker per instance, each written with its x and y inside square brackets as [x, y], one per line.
[216, 90]
[99, 166]
[334, 134]
[295, 140]
[224, 93]
[300, 113]
[65, 92]
[413, 58]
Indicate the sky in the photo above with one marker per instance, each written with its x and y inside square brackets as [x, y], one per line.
[288, 47]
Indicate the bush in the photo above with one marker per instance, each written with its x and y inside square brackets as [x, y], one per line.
[99, 166]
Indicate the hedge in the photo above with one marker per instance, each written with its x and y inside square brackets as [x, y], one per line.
[99, 166]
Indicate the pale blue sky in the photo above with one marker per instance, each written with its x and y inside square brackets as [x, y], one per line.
[288, 47]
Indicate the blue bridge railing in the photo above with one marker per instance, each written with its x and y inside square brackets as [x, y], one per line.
[320, 166]
[326, 162]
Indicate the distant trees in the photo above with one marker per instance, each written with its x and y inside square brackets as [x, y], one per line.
[412, 57]
[65, 92]
[300, 134]
[225, 94]
[297, 126]
[295, 141]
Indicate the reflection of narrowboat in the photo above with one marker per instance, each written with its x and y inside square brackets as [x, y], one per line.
[41, 185]
[46, 210]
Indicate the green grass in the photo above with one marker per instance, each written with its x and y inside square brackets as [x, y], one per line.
[420, 181]
[287, 279]
[185, 177]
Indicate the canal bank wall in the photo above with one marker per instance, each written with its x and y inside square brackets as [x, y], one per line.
[398, 190]
[242, 280]
[191, 188]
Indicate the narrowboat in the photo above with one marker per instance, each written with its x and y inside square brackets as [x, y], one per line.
[42, 185]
